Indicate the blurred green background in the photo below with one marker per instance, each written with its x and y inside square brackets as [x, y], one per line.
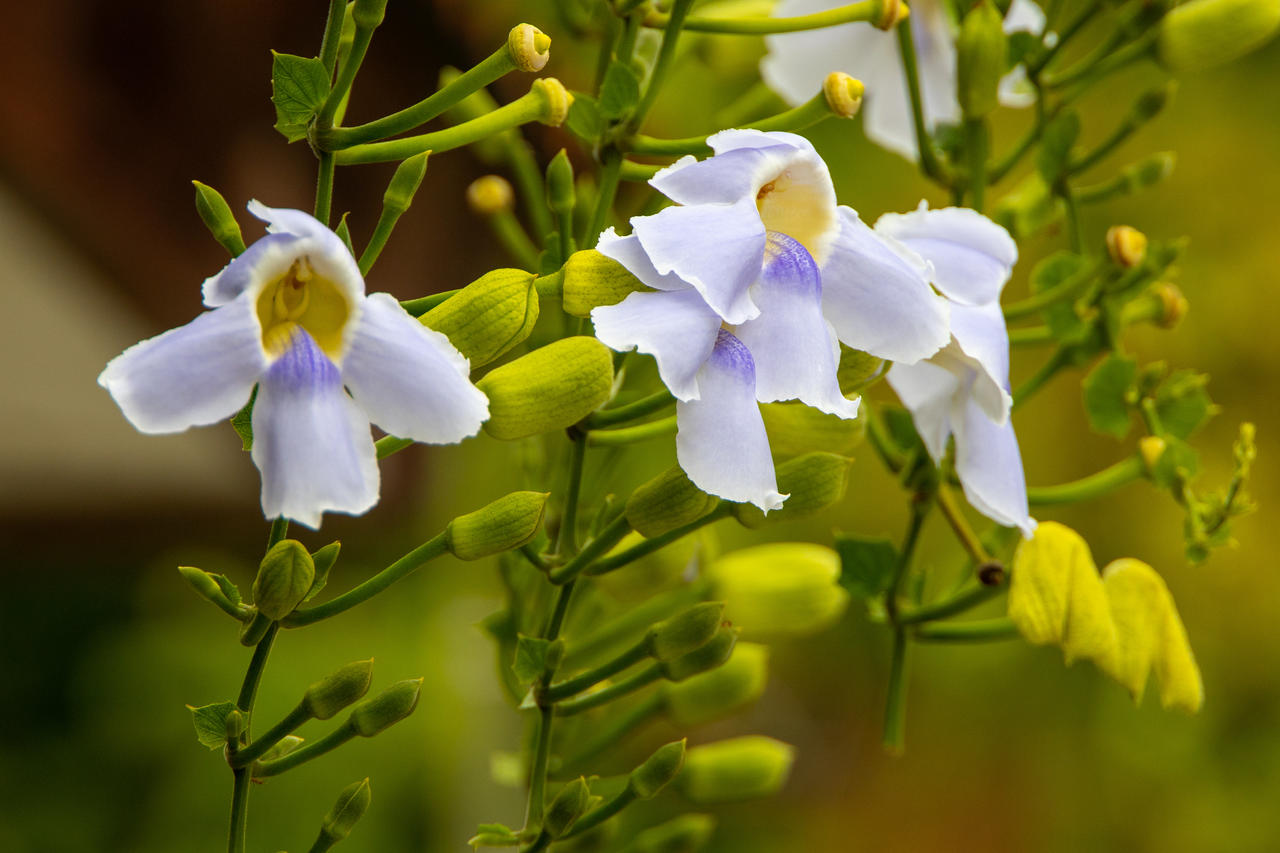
[111, 109]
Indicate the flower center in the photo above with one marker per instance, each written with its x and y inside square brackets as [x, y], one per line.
[795, 204]
[302, 298]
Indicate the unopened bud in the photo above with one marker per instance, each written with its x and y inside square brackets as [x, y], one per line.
[507, 523]
[218, 218]
[687, 833]
[286, 745]
[980, 58]
[222, 594]
[1150, 103]
[368, 14]
[352, 803]
[843, 94]
[812, 482]
[490, 194]
[558, 100]
[549, 389]
[684, 632]
[1204, 33]
[560, 192]
[657, 771]
[387, 708]
[708, 656]
[668, 501]
[1173, 304]
[237, 724]
[405, 182]
[721, 692]
[780, 589]
[1127, 246]
[330, 695]
[489, 316]
[530, 47]
[284, 578]
[1151, 448]
[566, 808]
[1150, 171]
[737, 769]
[795, 429]
[591, 280]
[892, 12]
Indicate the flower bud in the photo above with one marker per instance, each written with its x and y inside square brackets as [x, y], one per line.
[368, 14]
[548, 389]
[237, 723]
[284, 578]
[657, 771]
[1204, 33]
[780, 589]
[566, 808]
[1151, 448]
[218, 218]
[668, 501]
[287, 744]
[687, 833]
[892, 12]
[530, 47]
[737, 769]
[684, 632]
[387, 708]
[1126, 246]
[558, 100]
[981, 50]
[489, 316]
[591, 280]
[405, 182]
[812, 482]
[1173, 304]
[222, 594]
[706, 657]
[843, 94]
[560, 190]
[1150, 171]
[330, 695]
[490, 194]
[722, 692]
[795, 429]
[507, 523]
[352, 803]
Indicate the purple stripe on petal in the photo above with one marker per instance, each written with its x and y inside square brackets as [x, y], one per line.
[788, 264]
[732, 355]
[303, 368]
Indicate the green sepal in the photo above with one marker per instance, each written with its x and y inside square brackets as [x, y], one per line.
[560, 189]
[658, 770]
[287, 744]
[1109, 393]
[668, 501]
[536, 656]
[405, 182]
[217, 590]
[706, 657]
[210, 722]
[856, 369]
[344, 233]
[323, 560]
[495, 835]
[620, 91]
[389, 707]
[721, 692]
[218, 218]
[351, 805]
[592, 280]
[566, 807]
[812, 482]
[866, 564]
[685, 632]
[508, 522]
[981, 50]
[795, 429]
[326, 697]
[548, 389]
[284, 578]
[299, 86]
[488, 317]
[242, 422]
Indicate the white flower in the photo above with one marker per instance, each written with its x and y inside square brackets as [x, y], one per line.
[290, 314]
[798, 62]
[964, 389]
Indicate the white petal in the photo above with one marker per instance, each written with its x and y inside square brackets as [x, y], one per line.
[310, 440]
[677, 329]
[264, 261]
[717, 248]
[1024, 15]
[725, 178]
[409, 379]
[876, 294]
[325, 250]
[981, 336]
[990, 468]
[795, 359]
[628, 252]
[927, 391]
[972, 256]
[1016, 90]
[721, 443]
[193, 375]
[750, 139]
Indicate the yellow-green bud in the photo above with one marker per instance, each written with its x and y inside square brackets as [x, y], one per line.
[737, 769]
[685, 632]
[1151, 448]
[1151, 102]
[489, 316]
[569, 804]
[668, 501]
[330, 695]
[1173, 304]
[780, 589]
[387, 708]
[560, 190]
[687, 833]
[490, 194]
[1127, 246]
[812, 482]
[981, 50]
[548, 389]
[287, 744]
[507, 523]
[530, 47]
[708, 656]
[405, 182]
[284, 578]
[723, 691]
[558, 100]
[208, 588]
[843, 94]
[352, 803]
[892, 12]
[218, 218]
[855, 368]
[657, 771]
[237, 724]
[1204, 33]
[592, 280]
[368, 13]
[795, 429]
[1150, 171]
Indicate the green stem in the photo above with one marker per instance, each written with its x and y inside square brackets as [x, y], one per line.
[635, 619]
[601, 813]
[648, 546]
[239, 810]
[546, 716]
[324, 188]
[958, 603]
[867, 10]
[895, 707]
[955, 517]
[1064, 37]
[610, 174]
[596, 548]
[977, 631]
[976, 142]
[332, 35]
[1061, 358]
[882, 443]
[672, 24]
[630, 435]
[514, 239]
[1122, 473]
[919, 510]
[808, 114]
[1075, 227]
[1030, 336]
[346, 76]
[622, 726]
[631, 411]
[566, 541]
[389, 444]
[639, 172]
[572, 686]
[306, 752]
[929, 163]
[242, 757]
[613, 692]
[1053, 295]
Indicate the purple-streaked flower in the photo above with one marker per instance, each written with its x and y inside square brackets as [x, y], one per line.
[798, 62]
[291, 315]
[963, 390]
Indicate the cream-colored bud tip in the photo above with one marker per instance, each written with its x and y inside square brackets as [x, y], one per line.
[844, 93]
[530, 47]
[1127, 246]
[489, 195]
[892, 13]
[558, 100]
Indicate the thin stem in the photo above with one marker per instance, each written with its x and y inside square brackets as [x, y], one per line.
[299, 715]
[928, 157]
[811, 112]
[239, 810]
[648, 546]
[601, 813]
[546, 716]
[950, 507]
[1127, 470]
[672, 24]
[977, 631]
[630, 435]
[976, 141]
[1053, 295]
[514, 239]
[596, 548]
[573, 686]
[958, 603]
[1061, 358]
[332, 34]
[635, 619]
[631, 411]
[610, 173]
[614, 691]
[1075, 227]
[346, 76]
[324, 187]
[1030, 336]
[919, 510]
[895, 707]
[882, 443]
[306, 752]
[867, 10]
[1066, 35]
[566, 541]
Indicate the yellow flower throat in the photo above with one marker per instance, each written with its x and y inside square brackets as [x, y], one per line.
[300, 298]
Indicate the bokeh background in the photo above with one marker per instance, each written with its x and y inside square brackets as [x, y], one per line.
[110, 109]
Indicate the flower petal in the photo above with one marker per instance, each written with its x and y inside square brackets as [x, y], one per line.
[990, 467]
[409, 379]
[193, 375]
[982, 338]
[794, 352]
[721, 443]
[677, 329]
[724, 178]
[717, 248]
[972, 256]
[877, 295]
[927, 391]
[264, 261]
[310, 440]
[1024, 15]
[328, 255]
[628, 252]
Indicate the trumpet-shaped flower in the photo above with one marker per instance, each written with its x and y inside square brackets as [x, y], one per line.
[963, 390]
[798, 62]
[291, 315]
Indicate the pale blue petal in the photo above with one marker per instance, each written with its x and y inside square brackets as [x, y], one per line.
[725, 178]
[877, 296]
[972, 256]
[990, 468]
[193, 375]
[736, 139]
[325, 251]
[311, 442]
[677, 329]
[791, 344]
[721, 443]
[628, 252]
[264, 261]
[409, 379]
[981, 336]
[928, 392]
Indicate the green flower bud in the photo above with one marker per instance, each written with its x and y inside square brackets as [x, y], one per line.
[685, 632]
[688, 833]
[548, 389]
[1150, 171]
[558, 100]
[368, 13]
[780, 589]
[591, 280]
[217, 590]
[560, 192]
[405, 182]
[795, 429]
[489, 316]
[490, 194]
[812, 482]
[657, 771]
[352, 803]
[737, 769]
[287, 744]
[1151, 102]
[980, 57]
[387, 708]
[218, 218]
[237, 724]
[723, 691]
[1204, 33]
[330, 695]
[708, 656]
[507, 523]
[566, 808]
[843, 94]
[668, 501]
[530, 47]
[284, 578]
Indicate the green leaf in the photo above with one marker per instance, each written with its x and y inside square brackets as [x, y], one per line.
[211, 723]
[534, 656]
[494, 835]
[1055, 146]
[1177, 462]
[585, 121]
[230, 590]
[344, 233]
[866, 563]
[242, 422]
[1183, 404]
[1108, 389]
[1048, 274]
[620, 91]
[299, 86]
